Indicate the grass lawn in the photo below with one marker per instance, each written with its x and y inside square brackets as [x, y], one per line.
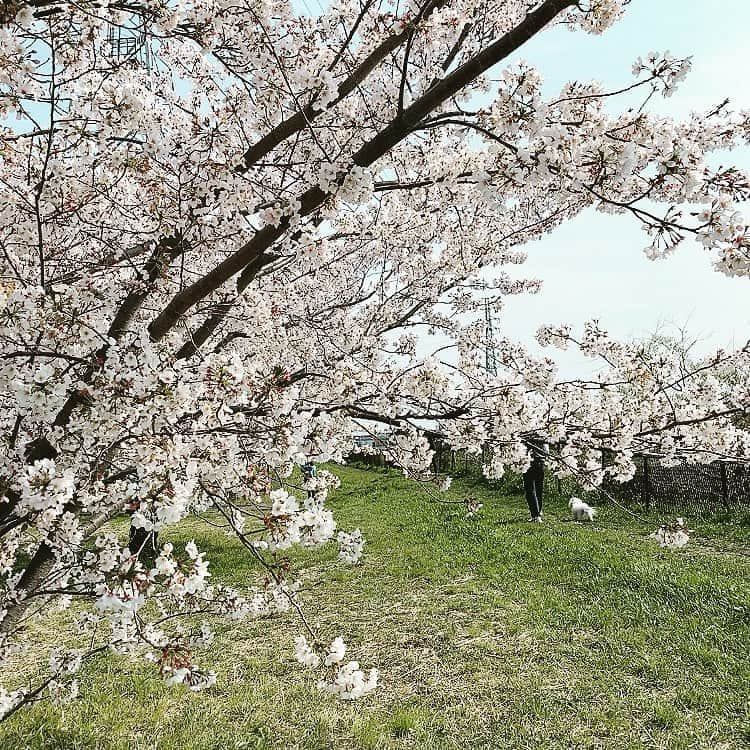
[489, 633]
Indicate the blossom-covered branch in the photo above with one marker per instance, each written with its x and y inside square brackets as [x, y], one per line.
[211, 266]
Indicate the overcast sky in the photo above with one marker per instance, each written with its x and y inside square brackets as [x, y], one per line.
[594, 266]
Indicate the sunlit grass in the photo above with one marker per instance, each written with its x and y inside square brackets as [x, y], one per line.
[489, 633]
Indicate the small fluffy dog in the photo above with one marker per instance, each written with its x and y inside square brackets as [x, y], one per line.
[581, 511]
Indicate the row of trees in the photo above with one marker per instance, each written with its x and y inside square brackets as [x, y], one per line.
[212, 268]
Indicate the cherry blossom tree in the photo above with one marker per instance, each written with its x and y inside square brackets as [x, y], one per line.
[215, 267]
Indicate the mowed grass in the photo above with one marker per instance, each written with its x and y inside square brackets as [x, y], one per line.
[489, 633]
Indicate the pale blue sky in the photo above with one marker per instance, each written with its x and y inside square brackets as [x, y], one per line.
[594, 267]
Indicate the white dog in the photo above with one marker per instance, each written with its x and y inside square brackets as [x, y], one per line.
[581, 511]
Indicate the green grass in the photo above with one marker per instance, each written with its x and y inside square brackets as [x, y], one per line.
[489, 633]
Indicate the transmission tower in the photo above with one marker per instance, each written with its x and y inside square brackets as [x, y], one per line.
[490, 355]
[128, 42]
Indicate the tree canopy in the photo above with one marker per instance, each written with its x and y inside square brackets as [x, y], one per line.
[217, 265]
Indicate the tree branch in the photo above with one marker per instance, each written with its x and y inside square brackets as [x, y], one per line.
[369, 153]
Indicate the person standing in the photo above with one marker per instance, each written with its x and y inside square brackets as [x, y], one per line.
[533, 478]
[309, 472]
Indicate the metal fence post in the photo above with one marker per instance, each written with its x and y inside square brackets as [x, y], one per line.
[645, 489]
[724, 485]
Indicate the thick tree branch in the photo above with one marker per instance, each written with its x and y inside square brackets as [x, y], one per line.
[301, 119]
[369, 153]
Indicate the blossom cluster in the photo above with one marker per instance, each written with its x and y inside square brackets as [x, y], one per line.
[673, 535]
[346, 681]
[350, 546]
[206, 286]
[473, 506]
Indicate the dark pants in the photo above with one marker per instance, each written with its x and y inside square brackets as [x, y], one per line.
[533, 487]
[142, 543]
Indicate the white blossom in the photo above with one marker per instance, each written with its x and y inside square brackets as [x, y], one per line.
[350, 546]
[203, 286]
[350, 682]
[673, 535]
[304, 654]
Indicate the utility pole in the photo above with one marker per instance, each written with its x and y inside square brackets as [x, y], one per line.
[128, 45]
[490, 362]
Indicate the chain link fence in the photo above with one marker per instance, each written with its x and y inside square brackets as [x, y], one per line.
[720, 486]
[694, 489]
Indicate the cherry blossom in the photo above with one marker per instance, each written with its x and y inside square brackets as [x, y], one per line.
[221, 266]
[350, 546]
[673, 535]
[473, 506]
